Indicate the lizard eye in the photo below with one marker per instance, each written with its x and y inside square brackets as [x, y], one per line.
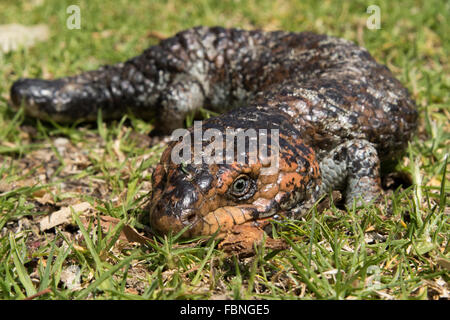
[242, 187]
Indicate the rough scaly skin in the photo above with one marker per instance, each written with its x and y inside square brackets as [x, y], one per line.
[338, 112]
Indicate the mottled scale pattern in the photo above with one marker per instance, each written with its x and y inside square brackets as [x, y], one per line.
[340, 115]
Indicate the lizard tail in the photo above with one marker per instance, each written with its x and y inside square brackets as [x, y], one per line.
[111, 89]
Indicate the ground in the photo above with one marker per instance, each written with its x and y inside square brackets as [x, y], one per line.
[103, 170]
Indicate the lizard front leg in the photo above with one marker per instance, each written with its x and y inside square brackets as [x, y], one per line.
[353, 167]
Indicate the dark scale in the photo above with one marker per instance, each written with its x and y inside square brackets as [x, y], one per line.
[339, 113]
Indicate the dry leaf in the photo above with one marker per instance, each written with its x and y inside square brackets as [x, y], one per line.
[133, 236]
[240, 241]
[444, 263]
[127, 233]
[13, 36]
[44, 198]
[70, 276]
[63, 216]
[157, 35]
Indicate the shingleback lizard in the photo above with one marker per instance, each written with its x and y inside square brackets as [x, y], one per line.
[338, 113]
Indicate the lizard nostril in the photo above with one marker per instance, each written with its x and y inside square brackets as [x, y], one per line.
[189, 217]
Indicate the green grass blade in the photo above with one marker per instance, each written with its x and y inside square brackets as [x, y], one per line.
[104, 276]
[24, 278]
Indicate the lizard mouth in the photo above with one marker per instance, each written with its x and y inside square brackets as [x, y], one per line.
[218, 222]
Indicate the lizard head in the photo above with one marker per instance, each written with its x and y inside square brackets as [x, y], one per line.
[212, 190]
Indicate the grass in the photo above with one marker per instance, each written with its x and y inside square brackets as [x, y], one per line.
[360, 254]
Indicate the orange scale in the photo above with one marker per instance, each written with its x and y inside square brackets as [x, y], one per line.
[165, 157]
[158, 174]
[269, 191]
[268, 178]
[291, 180]
[224, 181]
[256, 168]
[288, 166]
